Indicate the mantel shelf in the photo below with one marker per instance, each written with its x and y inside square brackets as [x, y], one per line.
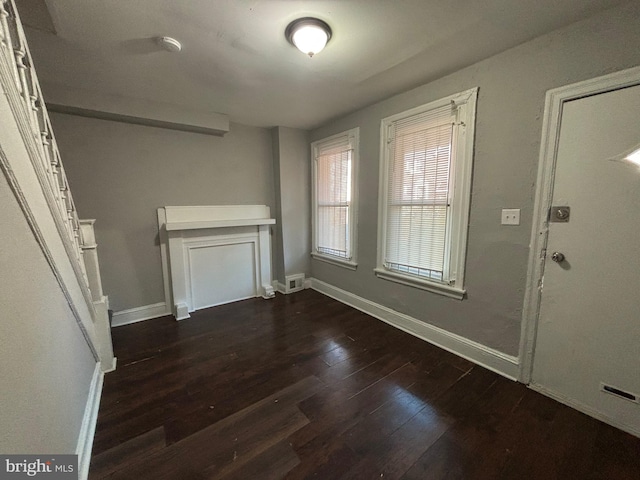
[202, 224]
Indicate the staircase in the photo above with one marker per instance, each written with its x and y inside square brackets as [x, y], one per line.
[30, 159]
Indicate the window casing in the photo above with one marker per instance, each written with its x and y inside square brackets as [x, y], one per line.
[425, 186]
[334, 173]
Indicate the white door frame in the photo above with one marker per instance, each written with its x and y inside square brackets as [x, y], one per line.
[554, 103]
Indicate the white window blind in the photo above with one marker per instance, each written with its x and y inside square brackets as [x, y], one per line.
[419, 194]
[334, 165]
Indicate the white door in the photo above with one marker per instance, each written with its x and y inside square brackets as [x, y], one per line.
[589, 323]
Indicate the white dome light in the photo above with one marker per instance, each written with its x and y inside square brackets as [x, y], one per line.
[309, 39]
[309, 35]
[634, 157]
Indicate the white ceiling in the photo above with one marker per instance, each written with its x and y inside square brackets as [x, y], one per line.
[235, 59]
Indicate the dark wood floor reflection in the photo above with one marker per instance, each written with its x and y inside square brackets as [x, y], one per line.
[302, 386]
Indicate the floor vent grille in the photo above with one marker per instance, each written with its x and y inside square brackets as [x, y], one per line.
[294, 283]
[619, 393]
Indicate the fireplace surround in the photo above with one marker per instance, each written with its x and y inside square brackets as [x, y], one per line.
[214, 254]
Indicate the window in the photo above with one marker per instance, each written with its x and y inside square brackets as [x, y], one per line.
[334, 198]
[426, 159]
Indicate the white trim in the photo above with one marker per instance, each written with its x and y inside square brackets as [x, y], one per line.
[89, 420]
[200, 225]
[465, 103]
[354, 139]
[181, 311]
[585, 409]
[164, 255]
[441, 288]
[112, 367]
[194, 214]
[337, 261]
[279, 287]
[496, 361]
[554, 102]
[139, 314]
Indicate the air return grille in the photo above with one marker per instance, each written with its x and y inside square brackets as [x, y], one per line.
[632, 397]
[294, 283]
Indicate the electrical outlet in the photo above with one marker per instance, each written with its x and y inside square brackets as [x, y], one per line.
[510, 216]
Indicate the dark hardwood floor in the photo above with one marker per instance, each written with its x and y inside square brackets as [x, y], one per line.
[302, 386]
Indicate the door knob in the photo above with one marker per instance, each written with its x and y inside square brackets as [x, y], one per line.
[557, 257]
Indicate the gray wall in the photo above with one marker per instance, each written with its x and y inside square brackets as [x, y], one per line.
[46, 366]
[293, 183]
[121, 173]
[508, 131]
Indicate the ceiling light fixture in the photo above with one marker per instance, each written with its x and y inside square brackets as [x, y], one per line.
[308, 34]
[634, 157]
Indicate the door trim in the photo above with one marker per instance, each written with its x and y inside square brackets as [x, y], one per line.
[554, 103]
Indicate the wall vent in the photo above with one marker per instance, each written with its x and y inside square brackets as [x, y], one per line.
[632, 397]
[294, 283]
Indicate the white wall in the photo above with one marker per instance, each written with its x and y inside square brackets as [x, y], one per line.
[46, 366]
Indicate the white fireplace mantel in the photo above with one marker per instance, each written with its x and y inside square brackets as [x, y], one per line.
[198, 242]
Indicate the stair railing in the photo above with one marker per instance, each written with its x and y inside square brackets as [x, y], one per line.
[20, 83]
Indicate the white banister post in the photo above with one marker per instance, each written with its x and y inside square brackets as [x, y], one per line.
[100, 301]
[90, 255]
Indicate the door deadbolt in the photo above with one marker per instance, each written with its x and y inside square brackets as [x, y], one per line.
[557, 257]
[560, 214]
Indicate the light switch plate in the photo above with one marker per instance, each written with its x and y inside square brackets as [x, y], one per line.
[510, 216]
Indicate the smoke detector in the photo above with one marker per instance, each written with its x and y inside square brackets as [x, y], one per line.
[169, 44]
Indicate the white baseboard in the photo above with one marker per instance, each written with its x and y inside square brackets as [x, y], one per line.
[279, 287]
[282, 288]
[112, 366]
[569, 402]
[89, 420]
[496, 361]
[138, 314]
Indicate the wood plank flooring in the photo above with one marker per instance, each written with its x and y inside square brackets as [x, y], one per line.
[302, 386]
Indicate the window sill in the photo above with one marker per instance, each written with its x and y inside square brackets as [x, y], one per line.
[439, 288]
[335, 261]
